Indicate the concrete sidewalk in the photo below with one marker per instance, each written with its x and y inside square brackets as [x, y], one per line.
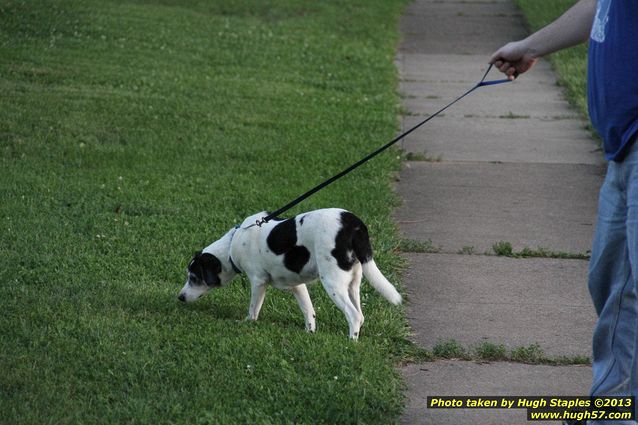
[511, 163]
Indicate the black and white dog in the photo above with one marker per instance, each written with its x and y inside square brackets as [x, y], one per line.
[329, 244]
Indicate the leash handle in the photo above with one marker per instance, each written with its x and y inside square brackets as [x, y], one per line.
[483, 83]
[494, 82]
[325, 183]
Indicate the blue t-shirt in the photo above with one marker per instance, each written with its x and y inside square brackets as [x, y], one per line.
[612, 83]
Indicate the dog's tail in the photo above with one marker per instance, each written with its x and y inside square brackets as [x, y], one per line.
[380, 283]
[363, 252]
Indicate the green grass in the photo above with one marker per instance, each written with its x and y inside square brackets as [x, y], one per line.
[569, 64]
[132, 133]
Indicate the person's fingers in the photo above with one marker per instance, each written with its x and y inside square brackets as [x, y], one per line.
[525, 64]
[496, 57]
[513, 59]
[501, 55]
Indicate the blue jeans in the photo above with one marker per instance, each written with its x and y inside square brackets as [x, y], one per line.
[613, 282]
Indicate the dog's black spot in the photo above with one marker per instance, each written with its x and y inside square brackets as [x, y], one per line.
[282, 240]
[301, 221]
[296, 258]
[352, 242]
[283, 237]
[204, 268]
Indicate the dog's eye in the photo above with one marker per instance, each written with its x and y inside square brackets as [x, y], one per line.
[194, 279]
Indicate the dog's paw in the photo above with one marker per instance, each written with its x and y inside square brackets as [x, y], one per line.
[311, 326]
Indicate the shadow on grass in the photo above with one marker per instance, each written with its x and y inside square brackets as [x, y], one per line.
[228, 304]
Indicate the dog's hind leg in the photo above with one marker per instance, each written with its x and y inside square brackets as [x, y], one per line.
[257, 294]
[303, 298]
[354, 288]
[337, 286]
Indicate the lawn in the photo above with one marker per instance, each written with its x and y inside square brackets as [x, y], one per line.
[570, 64]
[133, 133]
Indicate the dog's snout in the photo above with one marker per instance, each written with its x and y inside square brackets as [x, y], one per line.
[182, 297]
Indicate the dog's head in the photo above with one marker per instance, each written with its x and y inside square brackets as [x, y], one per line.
[204, 274]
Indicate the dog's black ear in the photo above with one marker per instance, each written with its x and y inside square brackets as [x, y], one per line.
[191, 263]
[211, 267]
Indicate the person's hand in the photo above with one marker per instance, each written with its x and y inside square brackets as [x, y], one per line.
[514, 58]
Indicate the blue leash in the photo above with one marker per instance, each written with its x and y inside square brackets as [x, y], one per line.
[325, 183]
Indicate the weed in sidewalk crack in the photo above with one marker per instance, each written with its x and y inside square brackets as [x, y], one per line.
[492, 352]
[422, 156]
[450, 349]
[532, 353]
[466, 250]
[487, 350]
[411, 245]
[504, 249]
[512, 116]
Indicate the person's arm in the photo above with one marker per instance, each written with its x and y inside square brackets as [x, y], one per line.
[571, 28]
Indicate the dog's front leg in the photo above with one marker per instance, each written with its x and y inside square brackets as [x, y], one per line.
[257, 294]
[303, 298]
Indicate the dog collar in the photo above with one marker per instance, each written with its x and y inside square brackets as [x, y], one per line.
[234, 266]
[230, 258]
